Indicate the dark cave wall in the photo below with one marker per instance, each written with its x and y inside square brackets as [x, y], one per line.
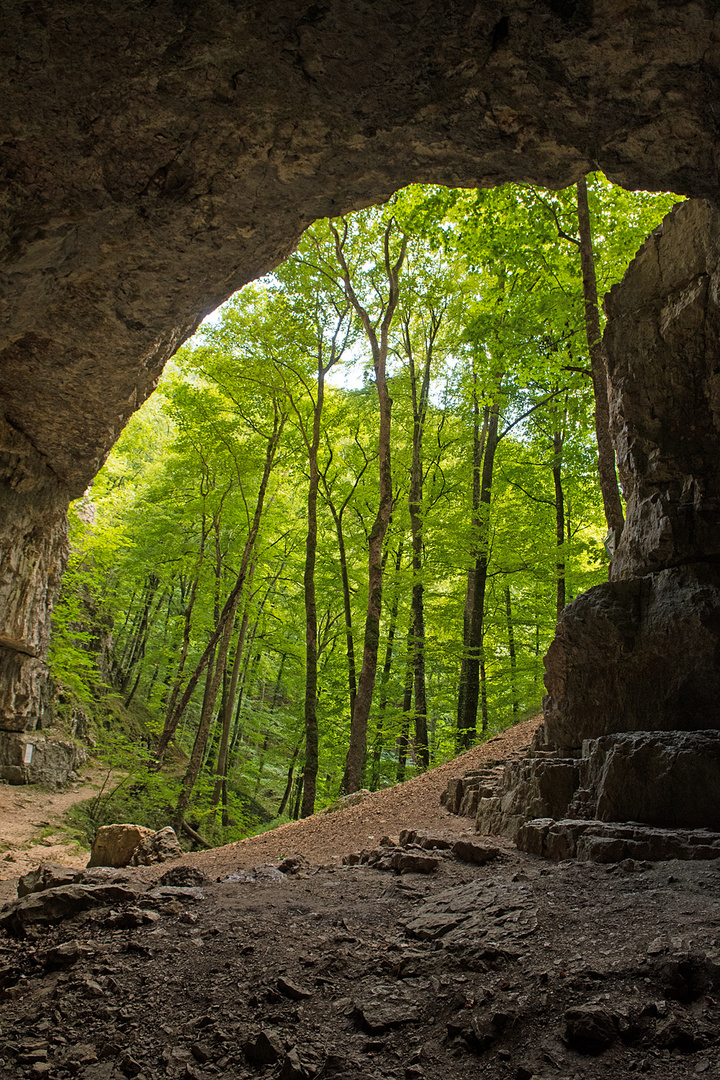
[642, 651]
[156, 156]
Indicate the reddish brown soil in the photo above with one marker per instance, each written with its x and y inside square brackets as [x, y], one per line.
[326, 838]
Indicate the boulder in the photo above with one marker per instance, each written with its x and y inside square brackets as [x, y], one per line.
[157, 847]
[264, 1048]
[472, 851]
[353, 799]
[405, 862]
[114, 845]
[590, 1028]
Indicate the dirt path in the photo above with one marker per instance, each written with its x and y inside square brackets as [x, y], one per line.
[325, 838]
[30, 827]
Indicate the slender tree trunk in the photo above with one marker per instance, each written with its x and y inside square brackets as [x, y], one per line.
[311, 628]
[379, 344]
[231, 602]
[559, 521]
[511, 650]
[420, 390]
[468, 721]
[404, 737]
[212, 685]
[288, 786]
[612, 502]
[349, 642]
[483, 695]
[298, 796]
[479, 438]
[168, 731]
[140, 637]
[385, 676]
[229, 699]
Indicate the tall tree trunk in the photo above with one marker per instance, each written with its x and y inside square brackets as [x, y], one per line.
[385, 676]
[349, 641]
[479, 438]
[420, 391]
[467, 723]
[404, 737]
[379, 343]
[298, 796]
[311, 628]
[289, 784]
[337, 515]
[168, 730]
[559, 521]
[229, 699]
[230, 604]
[612, 502]
[511, 649]
[212, 685]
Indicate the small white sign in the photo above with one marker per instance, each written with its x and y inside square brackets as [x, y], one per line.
[29, 753]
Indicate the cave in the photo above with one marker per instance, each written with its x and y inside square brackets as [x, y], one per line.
[159, 155]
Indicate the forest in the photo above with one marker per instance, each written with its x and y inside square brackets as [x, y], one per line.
[330, 550]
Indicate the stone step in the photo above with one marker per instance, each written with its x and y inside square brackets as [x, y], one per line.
[611, 841]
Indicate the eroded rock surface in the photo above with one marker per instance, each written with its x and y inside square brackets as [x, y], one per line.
[156, 158]
[642, 651]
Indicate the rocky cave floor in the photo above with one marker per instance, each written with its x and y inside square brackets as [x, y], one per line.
[517, 968]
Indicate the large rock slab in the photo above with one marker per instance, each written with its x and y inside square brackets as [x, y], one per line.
[612, 842]
[662, 343]
[642, 651]
[532, 787]
[671, 780]
[53, 905]
[636, 655]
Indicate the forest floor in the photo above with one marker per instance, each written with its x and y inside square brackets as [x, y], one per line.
[515, 969]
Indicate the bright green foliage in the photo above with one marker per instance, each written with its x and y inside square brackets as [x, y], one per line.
[496, 275]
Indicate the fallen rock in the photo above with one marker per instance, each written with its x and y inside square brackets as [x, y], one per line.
[54, 905]
[474, 851]
[159, 846]
[45, 876]
[292, 990]
[590, 1028]
[292, 865]
[353, 799]
[407, 863]
[292, 1068]
[65, 955]
[264, 1048]
[375, 1017]
[175, 892]
[184, 877]
[114, 845]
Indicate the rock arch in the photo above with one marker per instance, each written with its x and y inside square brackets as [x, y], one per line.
[158, 154]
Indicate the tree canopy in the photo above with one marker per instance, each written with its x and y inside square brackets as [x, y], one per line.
[331, 549]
